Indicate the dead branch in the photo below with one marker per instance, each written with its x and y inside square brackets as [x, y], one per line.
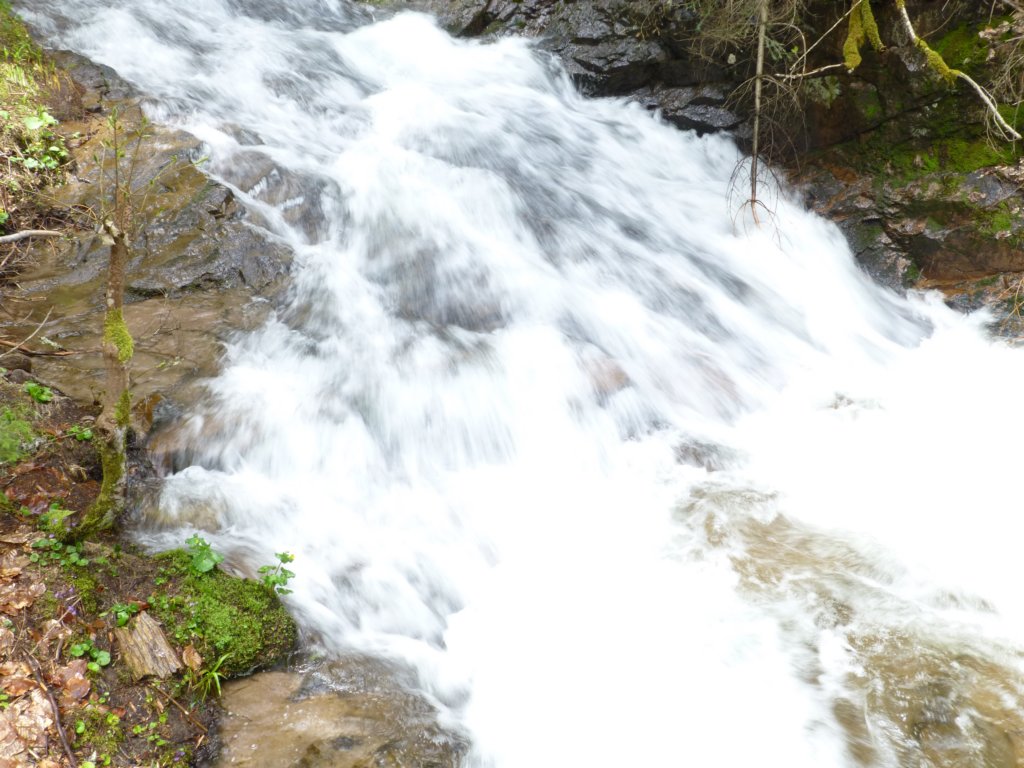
[14, 347]
[56, 710]
[26, 233]
[811, 73]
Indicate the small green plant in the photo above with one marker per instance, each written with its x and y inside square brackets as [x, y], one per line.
[53, 519]
[275, 577]
[150, 730]
[204, 558]
[122, 612]
[206, 681]
[99, 658]
[38, 392]
[53, 551]
[44, 150]
[80, 433]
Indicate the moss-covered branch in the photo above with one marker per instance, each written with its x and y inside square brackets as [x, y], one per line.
[938, 65]
[862, 29]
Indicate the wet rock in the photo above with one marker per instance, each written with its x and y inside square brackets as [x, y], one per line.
[101, 82]
[939, 227]
[282, 718]
[200, 269]
[607, 47]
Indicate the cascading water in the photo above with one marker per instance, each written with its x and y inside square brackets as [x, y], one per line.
[623, 486]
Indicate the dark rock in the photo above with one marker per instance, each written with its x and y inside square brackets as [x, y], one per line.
[19, 376]
[99, 81]
[15, 361]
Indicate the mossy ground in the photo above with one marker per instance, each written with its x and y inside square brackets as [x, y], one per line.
[101, 583]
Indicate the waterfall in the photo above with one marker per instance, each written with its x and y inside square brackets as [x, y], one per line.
[623, 480]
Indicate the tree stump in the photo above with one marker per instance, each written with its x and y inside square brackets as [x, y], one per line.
[145, 648]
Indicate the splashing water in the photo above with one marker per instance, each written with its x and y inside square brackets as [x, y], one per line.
[622, 484]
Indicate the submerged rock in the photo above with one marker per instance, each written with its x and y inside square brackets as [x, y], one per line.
[285, 718]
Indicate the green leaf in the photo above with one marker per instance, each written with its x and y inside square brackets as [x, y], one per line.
[33, 123]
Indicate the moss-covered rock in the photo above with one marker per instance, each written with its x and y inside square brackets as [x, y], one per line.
[224, 616]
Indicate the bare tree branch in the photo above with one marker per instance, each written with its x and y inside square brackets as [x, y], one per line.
[25, 233]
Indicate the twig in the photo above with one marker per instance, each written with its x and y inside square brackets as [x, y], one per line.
[30, 233]
[15, 347]
[801, 75]
[184, 711]
[56, 709]
[33, 352]
[807, 52]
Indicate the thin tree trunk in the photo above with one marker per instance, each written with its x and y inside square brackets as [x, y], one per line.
[113, 420]
[762, 31]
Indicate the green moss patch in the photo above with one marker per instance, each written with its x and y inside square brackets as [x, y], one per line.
[16, 435]
[223, 616]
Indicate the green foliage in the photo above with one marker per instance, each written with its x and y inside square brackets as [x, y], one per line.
[275, 577]
[38, 392]
[42, 149]
[80, 433]
[54, 519]
[16, 434]
[203, 557]
[101, 730]
[122, 613]
[47, 551]
[98, 657]
[16, 45]
[824, 90]
[151, 730]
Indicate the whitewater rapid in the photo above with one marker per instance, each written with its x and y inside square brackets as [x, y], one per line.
[624, 478]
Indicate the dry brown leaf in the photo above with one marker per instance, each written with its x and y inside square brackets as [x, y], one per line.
[24, 723]
[72, 680]
[191, 657]
[24, 536]
[10, 744]
[6, 643]
[13, 560]
[16, 678]
[17, 596]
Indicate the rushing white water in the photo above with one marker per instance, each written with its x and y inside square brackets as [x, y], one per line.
[623, 485]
